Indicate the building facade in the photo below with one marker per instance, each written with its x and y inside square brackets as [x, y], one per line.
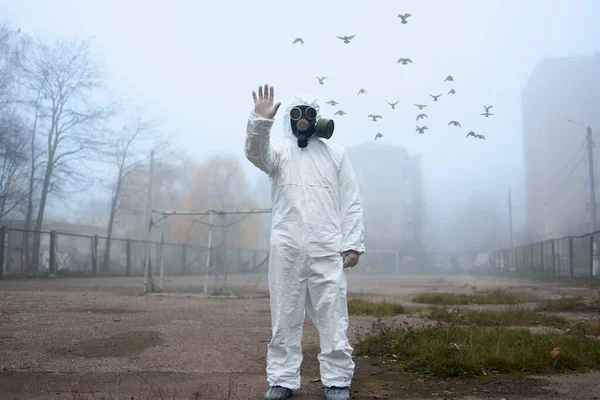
[555, 154]
[391, 186]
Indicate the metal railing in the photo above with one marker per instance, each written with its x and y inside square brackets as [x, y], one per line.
[70, 254]
[569, 257]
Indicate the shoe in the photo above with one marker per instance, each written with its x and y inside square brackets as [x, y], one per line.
[336, 393]
[278, 393]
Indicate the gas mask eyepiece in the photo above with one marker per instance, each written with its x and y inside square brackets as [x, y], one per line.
[305, 124]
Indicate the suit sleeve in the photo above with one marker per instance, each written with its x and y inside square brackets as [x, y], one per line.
[259, 149]
[353, 231]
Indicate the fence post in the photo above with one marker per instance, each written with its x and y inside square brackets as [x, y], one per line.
[2, 249]
[254, 261]
[183, 259]
[128, 257]
[52, 261]
[95, 255]
[531, 258]
[591, 256]
[542, 257]
[571, 266]
[553, 261]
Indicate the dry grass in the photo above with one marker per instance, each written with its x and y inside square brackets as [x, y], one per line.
[498, 296]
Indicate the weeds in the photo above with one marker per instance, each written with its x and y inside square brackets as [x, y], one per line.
[513, 317]
[453, 351]
[572, 304]
[498, 296]
[371, 308]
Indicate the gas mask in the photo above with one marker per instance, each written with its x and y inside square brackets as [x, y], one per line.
[305, 124]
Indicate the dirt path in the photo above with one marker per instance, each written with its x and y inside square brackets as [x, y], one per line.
[101, 336]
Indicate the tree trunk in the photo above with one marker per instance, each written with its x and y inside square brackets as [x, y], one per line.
[29, 213]
[35, 254]
[111, 220]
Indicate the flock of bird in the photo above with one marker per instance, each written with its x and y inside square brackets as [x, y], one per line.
[404, 61]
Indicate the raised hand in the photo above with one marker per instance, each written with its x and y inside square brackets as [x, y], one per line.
[263, 104]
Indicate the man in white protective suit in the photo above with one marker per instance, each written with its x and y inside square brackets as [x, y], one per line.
[317, 231]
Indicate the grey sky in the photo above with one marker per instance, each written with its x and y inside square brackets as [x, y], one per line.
[195, 64]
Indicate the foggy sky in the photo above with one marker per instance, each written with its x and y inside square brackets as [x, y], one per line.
[195, 64]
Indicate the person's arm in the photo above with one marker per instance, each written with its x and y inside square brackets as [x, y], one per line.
[353, 231]
[259, 149]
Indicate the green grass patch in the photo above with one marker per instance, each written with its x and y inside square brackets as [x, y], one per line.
[513, 317]
[572, 304]
[498, 296]
[375, 309]
[453, 351]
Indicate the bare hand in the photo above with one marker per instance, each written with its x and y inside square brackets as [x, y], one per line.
[263, 105]
[350, 258]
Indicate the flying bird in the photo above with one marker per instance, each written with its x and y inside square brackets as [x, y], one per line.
[487, 108]
[486, 114]
[332, 102]
[421, 116]
[339, 112]
[475, 135]
[420, 106]
[392, 104]
[374, 116]
[452, 91]
[421, 129]
[362, 91]
[321, 79]
[346, 39]
[404, 61]
[379, 135]
[435, 98]
[403, 17]
[298, 40]
[455, 123]
[449, 78]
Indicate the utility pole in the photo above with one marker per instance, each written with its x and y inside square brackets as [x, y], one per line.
[592, 184]
[510, 224]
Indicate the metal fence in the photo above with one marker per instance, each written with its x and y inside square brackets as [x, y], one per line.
[68, 254]
[572, 257]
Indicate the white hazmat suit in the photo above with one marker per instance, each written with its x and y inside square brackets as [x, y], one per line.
[317, 215]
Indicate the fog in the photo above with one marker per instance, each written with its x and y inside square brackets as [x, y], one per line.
[194, 65]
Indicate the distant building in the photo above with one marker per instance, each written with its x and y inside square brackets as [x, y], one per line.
[556, 175]
[391, 186]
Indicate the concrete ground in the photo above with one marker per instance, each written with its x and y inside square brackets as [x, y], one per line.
[94, 338]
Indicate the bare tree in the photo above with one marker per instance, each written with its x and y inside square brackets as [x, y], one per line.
[130, 150]
[33, 178]
[13, 140]
[70, 85]
[13, 163]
